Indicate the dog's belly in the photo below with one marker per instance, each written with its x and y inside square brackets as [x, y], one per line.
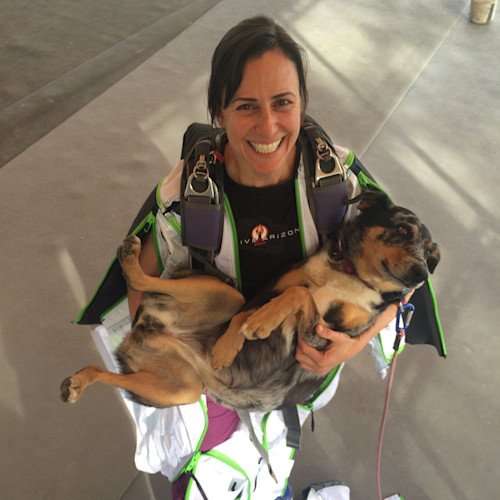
[279, 391]
[264, 376]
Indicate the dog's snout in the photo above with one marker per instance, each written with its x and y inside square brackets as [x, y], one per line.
[419, 273]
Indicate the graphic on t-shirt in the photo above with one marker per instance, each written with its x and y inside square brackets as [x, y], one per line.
[269, 238]
[259, 235]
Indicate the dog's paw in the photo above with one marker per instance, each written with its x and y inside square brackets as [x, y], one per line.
[131, 246]
[257, 326]
[71, 390]
[225, 350]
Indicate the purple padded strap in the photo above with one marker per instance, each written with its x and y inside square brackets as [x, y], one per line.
[329, 207]
[204, 227]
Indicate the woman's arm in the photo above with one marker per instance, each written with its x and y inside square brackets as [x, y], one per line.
[341, 347]
[149, 264]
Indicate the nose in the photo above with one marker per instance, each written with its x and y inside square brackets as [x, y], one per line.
[267, 125]
[419, 273]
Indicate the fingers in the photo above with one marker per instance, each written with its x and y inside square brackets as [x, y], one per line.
[311, 359]
[331, 335]
[323, 362]
[341, 348]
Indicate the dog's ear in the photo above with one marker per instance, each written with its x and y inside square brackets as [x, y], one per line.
[372, 199]
[433, 256]
[432, 253]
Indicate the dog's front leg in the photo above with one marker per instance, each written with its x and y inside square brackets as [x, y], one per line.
[279, 310]
[204, 294]
[230, 343]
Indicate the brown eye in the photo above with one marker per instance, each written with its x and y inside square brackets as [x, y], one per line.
[402, 231]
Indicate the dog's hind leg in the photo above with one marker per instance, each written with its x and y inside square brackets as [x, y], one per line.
[149, 387]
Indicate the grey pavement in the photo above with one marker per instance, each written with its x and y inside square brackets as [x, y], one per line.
[58, 55]
[410, 85]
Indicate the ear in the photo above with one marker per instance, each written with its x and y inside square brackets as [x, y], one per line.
[220, 120]
[372, 199]
[433, 257]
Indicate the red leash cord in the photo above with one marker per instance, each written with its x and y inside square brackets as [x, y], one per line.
[400, 333]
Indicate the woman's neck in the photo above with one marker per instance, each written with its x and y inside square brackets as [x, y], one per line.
[246, 176]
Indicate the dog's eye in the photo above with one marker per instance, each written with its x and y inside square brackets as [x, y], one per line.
[428, 249]
[405, 232]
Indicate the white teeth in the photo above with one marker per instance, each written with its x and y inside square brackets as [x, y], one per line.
[265, 148]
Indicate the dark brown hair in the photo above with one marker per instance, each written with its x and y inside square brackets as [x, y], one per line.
[250, 38]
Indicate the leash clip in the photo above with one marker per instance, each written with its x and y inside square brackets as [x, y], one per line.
[404, 315]
[328, 169]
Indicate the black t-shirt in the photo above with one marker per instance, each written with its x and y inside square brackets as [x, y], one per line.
[267, 229]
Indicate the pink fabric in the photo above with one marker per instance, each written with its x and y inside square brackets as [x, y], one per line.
[179, 487]
[222, 422]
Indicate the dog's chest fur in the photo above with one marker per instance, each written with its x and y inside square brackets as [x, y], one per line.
[341, 299]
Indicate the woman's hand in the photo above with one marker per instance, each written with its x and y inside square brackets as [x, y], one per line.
[341, 346]
[340, 349]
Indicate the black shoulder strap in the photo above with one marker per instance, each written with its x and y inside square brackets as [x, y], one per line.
[202, 193]
[194, 133]
[325, 176]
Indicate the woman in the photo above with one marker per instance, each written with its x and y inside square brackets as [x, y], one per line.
[258, 96]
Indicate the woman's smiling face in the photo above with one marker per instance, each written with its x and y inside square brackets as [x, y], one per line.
[262, 121]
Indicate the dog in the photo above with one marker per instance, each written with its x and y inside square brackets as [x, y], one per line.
[195, 334]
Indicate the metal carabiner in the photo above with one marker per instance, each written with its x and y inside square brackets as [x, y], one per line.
[325, 154]
[200, 184]
[400, 331]
[410, 309]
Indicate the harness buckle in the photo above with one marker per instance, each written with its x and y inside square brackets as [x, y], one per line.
[329, 169]
[200, 185]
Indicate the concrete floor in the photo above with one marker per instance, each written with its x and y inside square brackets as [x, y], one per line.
[412, 87]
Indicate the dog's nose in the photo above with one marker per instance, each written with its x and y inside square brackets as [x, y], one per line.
[419, 273]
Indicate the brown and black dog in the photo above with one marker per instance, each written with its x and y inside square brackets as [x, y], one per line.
[189, 335]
